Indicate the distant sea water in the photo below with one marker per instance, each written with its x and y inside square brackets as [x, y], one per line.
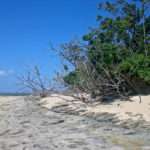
[14, 94]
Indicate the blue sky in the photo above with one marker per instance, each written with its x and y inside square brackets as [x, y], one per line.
[28, 26]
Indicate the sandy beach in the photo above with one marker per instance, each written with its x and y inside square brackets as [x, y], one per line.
[123, 110]
[61, 123]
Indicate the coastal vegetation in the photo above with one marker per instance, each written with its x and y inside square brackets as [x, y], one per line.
[113, 59]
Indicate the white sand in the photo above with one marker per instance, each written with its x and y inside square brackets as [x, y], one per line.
[56, 100]
[127, 109]
[5, 99]
[122, 109]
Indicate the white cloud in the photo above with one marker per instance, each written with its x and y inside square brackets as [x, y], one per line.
[4, 73]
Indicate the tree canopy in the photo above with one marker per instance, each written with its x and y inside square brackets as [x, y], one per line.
[116, 54]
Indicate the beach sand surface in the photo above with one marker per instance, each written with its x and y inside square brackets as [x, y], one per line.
[122, 109]
[59, 122]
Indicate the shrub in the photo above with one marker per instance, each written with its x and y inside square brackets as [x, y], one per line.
[137, 66]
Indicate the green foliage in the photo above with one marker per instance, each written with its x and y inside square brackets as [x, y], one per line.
[75, 78]
[72, 78]
[119, 45]
[122, 39]
[137, 66]
[105, 53]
